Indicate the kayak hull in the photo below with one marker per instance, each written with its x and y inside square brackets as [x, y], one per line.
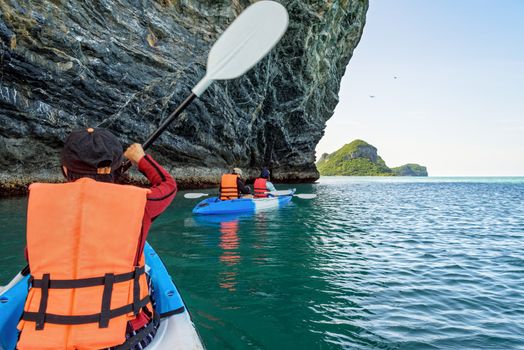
[176, 330]
[215, 206]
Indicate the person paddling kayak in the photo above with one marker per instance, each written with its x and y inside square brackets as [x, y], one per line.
[262, 185]
[85, 242]
[232, 186]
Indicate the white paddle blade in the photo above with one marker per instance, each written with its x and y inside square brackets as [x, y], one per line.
[281, 193]
[306, 195]
[195, 195]
[245, 42]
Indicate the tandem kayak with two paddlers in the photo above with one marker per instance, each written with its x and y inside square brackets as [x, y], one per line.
[215, 206]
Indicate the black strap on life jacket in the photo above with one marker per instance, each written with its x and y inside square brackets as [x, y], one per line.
[87, 282]
[136, 292]
[83, 319]
[109, 280]
[41, 317]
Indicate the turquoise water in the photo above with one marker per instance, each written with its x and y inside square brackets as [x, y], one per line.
[372, 263]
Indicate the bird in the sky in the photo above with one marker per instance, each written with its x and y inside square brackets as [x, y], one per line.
[395, 77]
[372, 96]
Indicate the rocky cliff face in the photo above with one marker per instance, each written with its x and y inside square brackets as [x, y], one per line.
[126, 64]
[363, 150]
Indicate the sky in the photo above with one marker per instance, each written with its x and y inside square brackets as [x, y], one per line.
[457, 104]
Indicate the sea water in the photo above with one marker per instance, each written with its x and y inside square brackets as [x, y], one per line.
[371, 263]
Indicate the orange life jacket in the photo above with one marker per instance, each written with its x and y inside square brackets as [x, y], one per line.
[82, 242]
[229, 187]
[260, 188]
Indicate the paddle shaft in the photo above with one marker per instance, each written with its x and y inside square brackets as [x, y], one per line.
[156, 134]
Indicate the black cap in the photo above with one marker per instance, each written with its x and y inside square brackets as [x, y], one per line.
[86, 150]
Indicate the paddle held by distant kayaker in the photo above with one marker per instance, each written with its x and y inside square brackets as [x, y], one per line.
[85, 242]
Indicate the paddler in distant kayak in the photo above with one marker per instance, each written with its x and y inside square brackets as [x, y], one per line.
[85, 242]
[232, 186]
[262, 184]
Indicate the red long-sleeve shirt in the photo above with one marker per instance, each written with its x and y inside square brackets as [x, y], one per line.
[163, 190]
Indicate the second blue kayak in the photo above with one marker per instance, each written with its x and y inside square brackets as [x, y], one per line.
[215, 206]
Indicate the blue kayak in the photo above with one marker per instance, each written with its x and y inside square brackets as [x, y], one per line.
[176, 330]
[215, 206]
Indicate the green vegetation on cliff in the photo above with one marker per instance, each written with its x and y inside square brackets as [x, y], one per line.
[359, 158]
[355, 167]
[410, 170]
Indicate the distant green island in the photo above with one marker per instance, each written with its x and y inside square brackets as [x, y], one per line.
[359, 158]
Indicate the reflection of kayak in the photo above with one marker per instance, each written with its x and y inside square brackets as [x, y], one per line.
[216, 220]
[213, 205]
[176, 330]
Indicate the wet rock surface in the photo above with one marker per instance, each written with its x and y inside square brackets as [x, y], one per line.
[125, 65]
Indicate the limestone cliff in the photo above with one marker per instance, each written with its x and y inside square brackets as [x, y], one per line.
[357, 158]
[125, 64]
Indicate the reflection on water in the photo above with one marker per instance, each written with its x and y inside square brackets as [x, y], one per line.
[230, 257]
[229, 242]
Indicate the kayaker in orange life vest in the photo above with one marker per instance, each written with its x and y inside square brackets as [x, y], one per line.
[85, 242]
[262, 185]
[232, 186]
